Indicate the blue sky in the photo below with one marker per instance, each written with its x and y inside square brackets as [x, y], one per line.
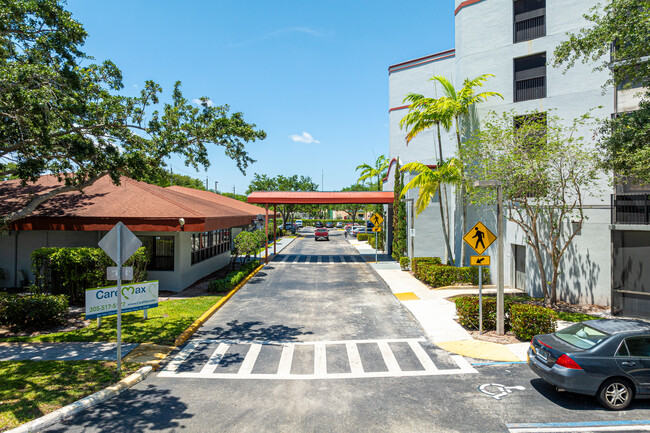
[313, 75]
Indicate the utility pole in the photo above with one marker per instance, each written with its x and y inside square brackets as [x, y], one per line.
[233, 190]
[171, 175]
[322, 174]
[215, 187]
[206, 182]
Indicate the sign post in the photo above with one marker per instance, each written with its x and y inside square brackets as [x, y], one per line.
[479, 238]
[120, 244]
[376, 220]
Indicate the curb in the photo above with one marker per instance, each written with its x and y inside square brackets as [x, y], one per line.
[86, 402]
[205, 316]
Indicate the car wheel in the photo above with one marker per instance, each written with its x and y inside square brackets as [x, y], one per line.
[615, 394]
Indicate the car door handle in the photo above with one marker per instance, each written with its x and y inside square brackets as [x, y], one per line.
[628, 363]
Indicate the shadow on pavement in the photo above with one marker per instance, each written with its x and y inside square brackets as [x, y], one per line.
[139, 410]
[252, 330]
[570, 400]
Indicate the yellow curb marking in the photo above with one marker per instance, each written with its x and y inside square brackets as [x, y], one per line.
[407, 296]
[479, 349]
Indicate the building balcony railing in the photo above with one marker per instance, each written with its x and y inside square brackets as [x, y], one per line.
[630, 208]
[532, 28]
[533, 88]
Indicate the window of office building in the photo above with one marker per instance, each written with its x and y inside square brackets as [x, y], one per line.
[530, 77]
[161, 252]
[529, 20]
[209, 244]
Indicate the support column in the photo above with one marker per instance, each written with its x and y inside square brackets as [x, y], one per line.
[275, 227]
[266, 231]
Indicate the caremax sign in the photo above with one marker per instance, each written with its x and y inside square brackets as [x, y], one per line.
[102, 301]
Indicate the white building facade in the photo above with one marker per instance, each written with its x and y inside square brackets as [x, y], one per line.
[514, 41]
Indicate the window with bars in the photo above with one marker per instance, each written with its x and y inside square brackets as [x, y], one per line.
[529, 20]
[161, 252]
[530, 77]
[209, 244]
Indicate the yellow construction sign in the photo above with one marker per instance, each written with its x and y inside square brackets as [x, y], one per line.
[479, 260]
[479, 237]
[376, 219]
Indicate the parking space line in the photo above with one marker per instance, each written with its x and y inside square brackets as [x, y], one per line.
[320, 360]
[585, 426]
[215, 358]
[181, 357]
[249, 361]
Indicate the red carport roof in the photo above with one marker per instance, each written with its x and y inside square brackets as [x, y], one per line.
[315, 197]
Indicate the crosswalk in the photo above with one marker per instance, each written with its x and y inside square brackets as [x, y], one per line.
[318, 258]
[241, 359]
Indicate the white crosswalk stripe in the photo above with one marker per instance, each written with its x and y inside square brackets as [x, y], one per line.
[356, 359]
[317, 259]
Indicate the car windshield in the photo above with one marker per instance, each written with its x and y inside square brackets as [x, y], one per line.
[581, 335]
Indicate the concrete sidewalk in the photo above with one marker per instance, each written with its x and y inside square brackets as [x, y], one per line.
[435, 314]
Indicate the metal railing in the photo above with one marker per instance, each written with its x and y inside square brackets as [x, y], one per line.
[532, 28]
[533, 88]
[630, 208]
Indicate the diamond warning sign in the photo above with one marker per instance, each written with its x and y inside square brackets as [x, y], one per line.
[479, 237]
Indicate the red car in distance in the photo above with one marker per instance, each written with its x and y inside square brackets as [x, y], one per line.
[321, 233]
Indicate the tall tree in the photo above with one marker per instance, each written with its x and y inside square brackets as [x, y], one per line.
[263, 182]
[352, 209]
[399, 217]
[60, 114]
[380, 171]
[454, 104]
[617, 41]
[547, 170]
[429, 183]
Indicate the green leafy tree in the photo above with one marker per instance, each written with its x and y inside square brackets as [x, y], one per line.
[263, 182]
[167, 179]
[247, 244]
[399, 217]
[369, 172]
[61, 114]
[354, 208]
[547, 170]
[453, 104]
[239, 197]
[619, 28]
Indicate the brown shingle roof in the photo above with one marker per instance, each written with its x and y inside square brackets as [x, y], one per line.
[139, 205]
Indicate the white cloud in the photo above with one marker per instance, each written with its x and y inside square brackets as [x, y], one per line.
[209, 102]
[304, 138]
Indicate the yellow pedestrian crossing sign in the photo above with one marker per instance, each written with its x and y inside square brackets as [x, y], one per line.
[479, 237]
[376, 229]
[376, 219]
[479, 260]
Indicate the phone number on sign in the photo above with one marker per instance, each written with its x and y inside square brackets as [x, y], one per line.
[105, 307]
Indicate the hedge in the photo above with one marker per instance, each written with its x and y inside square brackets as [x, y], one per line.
[32, 312]
[362, 236]
[467, 310]
[443, 275]
[70, 271]
[530, 320]
[371, 240]
[311, 222]
[404, 263]
[233, 278]
[417, 260]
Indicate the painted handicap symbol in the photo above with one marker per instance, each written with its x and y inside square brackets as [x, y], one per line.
[498, 391]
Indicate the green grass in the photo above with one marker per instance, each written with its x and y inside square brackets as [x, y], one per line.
[165, 323]
[30, 389]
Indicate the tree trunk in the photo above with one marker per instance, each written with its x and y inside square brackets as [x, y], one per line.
[463, 202]
[442, 197]
[444, 226]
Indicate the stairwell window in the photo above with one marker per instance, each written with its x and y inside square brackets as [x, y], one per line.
[530, 77]
[529, 20]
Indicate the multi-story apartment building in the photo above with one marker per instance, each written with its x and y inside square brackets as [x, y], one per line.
[514, 40]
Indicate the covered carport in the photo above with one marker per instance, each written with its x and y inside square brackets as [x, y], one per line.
[274, 198]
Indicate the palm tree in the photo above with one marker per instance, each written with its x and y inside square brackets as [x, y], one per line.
[454, 104]
[428, 181]
[368, 172]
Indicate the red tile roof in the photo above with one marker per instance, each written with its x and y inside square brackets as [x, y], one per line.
[314, 197]
[141, 206]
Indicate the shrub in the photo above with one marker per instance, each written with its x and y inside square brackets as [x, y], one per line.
[233, 278]
[32, 312]
[70, 271]
[530, 320]
[404, 263]
[362, 236]
[443, 275]
[467, 310]
[371, 241]
[430, 260]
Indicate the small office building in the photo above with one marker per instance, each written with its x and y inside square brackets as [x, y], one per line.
[188, 232]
